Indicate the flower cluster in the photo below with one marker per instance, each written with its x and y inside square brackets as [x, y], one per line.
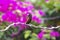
[52, 33]
[16, 11]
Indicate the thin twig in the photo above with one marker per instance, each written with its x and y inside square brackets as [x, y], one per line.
[51, 18]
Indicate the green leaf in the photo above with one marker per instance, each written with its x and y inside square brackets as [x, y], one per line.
[27, 34]
[33, 39]
[51, 11]
[47, 36]
[36, 30]
[33, 1]
[34, 36]
[57, 5]
[53, 38]
[1, 34]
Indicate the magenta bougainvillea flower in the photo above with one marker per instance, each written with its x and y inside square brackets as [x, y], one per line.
[47, 1]
[42, 13]
[10, 17]
[54, 34]
[26, 6]
[40, 35]
[5, 5]
[36, 19]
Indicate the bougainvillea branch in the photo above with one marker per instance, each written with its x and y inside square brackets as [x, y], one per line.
[28, 25]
